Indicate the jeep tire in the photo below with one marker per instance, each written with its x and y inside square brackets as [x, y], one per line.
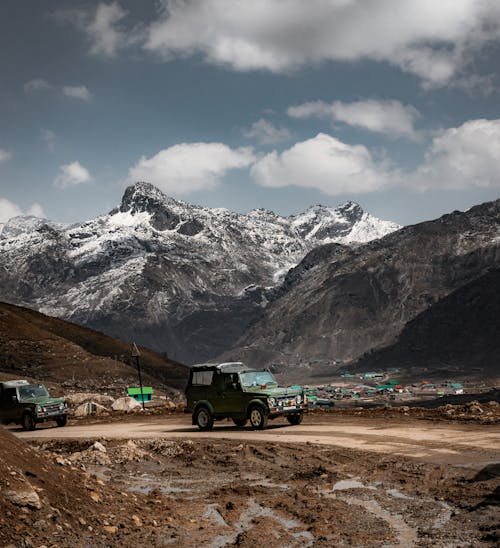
[28, 421]
[203, 418]
[258, 418]
[296, 418]
[62, 420]
[240, 422]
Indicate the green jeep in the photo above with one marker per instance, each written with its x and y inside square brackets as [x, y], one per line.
[232, 390]
[28, 404]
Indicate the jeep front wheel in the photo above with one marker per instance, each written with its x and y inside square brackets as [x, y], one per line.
[203, 419]
[258, 419]
[62, 420]
[29, 422]
[295, 418]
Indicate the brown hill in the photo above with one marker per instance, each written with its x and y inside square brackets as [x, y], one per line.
[45, 348]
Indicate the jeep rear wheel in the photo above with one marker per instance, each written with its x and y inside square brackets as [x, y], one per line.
[295, 418]
[203, 419]
[240, 422]
[28, 422]
[258, 418]
[62, 420]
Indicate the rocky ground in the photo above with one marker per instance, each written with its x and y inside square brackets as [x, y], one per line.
[219, 492]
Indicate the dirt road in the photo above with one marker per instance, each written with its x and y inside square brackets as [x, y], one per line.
[437, 442]
[334, 480]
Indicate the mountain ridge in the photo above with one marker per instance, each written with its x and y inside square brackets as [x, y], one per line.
[181, 279]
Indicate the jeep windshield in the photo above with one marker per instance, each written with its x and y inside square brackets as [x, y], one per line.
[31, 391]
[257, 378]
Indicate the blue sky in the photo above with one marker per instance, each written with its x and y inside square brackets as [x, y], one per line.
[228, 103]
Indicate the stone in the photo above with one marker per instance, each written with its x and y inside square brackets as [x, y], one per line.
[26, 497]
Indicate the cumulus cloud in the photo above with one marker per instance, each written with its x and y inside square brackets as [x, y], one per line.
[71, 175]
[77, 92]
[390, 117]
[36, 85]
[462, 157]
[5, 155]
[266, 133]
[188, 167]
[324, 163]
[433, 40]
[9, 209]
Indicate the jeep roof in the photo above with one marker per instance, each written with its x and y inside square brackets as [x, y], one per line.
[226, 367]
[13, 384]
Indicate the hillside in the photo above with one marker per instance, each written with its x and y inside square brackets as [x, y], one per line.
[457, 335]
[45, 348]
[342, 302]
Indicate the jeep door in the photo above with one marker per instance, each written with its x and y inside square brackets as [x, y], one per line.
[230, 399]
[9, 406]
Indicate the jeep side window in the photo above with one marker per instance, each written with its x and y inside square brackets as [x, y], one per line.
[7, 395]
[231, 381]
[202, 378]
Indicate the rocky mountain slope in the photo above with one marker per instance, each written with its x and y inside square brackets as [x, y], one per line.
[458, 334]
[182, 279]
[48, 349]
[340, 302]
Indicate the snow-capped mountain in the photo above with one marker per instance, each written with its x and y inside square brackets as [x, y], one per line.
[417, 296]
[182, 279]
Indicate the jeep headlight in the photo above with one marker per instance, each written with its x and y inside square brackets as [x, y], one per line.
[61, 406]
[38, 408]
[298, 399]
[271, 402]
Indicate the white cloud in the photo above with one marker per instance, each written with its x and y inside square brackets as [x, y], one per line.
[9, 209]
[71, 175]
[49, 138]
[36, 210]
[433, 40]
[36, 85]
[105, 36]
[389, 117]
[324, 163]
[266, 133]
[5, 155]
[462, 157]
[77, 92]
[188, 167]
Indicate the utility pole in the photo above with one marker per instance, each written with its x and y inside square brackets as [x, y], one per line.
[136, 354]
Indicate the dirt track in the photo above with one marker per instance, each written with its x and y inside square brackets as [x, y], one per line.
[440, 442]
[334, 480]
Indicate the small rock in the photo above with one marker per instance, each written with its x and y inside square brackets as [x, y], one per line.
[26, 497]
[99, 447]
[137, 521]
[95, 496]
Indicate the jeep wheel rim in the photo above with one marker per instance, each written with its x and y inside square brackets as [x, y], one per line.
[203, 418]
[255, 417]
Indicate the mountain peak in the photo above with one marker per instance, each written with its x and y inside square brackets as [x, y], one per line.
[142, 196]
[145, 197]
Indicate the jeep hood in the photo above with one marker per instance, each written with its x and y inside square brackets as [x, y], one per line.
[42, 400]
[275, 391]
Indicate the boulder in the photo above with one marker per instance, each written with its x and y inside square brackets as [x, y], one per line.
[90, 408]
[125, 404]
